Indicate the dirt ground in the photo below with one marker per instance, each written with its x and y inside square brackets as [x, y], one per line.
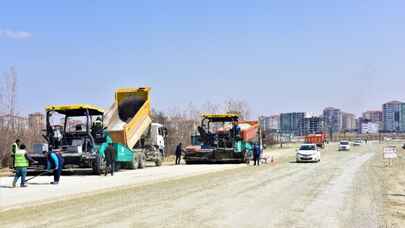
[393, 184]
[346, 189]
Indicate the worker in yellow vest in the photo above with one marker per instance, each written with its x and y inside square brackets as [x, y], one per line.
[14, 147]
[21, 163]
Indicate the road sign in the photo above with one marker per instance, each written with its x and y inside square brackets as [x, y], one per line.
[390, 152]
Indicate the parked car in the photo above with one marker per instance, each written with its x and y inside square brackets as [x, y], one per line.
[308, 153]
[357, 142]
[403, 147]
[344, 146]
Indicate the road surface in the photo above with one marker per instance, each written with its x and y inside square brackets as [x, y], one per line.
[343, 190]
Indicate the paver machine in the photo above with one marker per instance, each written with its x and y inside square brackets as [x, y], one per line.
[71, 131]
[223, 138]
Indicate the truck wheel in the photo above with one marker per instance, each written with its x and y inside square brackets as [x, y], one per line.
[134, 163]
[99, 165]
[158, 162]
[141, 161]
[117, 166]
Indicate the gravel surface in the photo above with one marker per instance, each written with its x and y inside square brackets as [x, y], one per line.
[343, 190]
[40, 190]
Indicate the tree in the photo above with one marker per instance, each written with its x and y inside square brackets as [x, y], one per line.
[237, 107]
[9, 127]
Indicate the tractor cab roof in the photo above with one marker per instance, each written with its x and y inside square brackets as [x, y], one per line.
[76, 109]
[221, 117]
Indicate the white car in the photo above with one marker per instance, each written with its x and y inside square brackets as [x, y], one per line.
[308, 153]
[357, 142]
[344, 146]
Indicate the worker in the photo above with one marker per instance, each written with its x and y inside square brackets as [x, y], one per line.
[179, 149]
[98, 125]
[21, 163]
[256, 154]
[109, 157]
[55, 164]
[14, 148]
[235, 129]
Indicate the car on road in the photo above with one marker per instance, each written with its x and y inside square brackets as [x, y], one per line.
[308, 153]
[344, 146]
[357, 142]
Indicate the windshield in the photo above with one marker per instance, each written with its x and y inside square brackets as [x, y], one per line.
[344, 143]
[308, 147]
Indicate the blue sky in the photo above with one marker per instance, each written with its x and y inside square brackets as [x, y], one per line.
[279, 56]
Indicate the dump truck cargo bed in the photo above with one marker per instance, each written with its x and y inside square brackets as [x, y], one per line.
[129, 117]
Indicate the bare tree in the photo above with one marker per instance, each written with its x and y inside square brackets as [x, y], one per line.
[9, 128]
[237, 107]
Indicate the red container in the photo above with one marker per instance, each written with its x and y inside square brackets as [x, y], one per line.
[249, 130]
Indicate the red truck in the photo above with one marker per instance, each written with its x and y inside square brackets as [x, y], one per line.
[318, 139]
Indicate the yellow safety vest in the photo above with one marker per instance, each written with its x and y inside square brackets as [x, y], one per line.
[20, 161]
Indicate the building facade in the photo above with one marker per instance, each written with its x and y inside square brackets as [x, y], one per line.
[13, 122]
[292, 123]
[313, 125]
[373, 116]
[333, 118]
[348, 122]
[274, 122]
[402, 118]
[391, 116]
[36, 121]
[369, 128]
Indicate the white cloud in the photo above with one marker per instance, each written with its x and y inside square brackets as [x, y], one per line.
[12, 34]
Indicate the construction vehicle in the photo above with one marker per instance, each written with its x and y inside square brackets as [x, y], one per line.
[78, 141]
[129, 125]
[222, 138]
[318, 139]
[126, 128]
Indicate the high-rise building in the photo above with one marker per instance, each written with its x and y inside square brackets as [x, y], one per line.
[274, 122]
[391, 116]
[292, 123]
[333, 118]
[402, 118]
[264, 122]
[36, 121]
[313, 125]
[373, 116]
[270, 123]
[348, 122]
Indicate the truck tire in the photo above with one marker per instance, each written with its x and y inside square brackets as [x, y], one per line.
[134, 163]
[141, 161]
[99, 165]
[158, 162]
